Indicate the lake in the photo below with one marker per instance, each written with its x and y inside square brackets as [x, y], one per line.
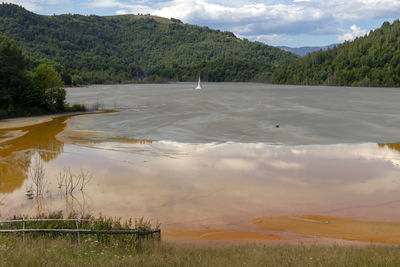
[244, 112]
[214, 159]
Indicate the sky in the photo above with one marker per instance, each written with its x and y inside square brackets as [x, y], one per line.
[293, 23]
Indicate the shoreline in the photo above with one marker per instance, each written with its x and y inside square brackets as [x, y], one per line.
[19, 122]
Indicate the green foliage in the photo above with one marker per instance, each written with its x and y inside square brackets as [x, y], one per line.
[75, 108]
[24, 93]
[98, 49]
[13, 76]
[50, 84]
[85, 222]
[372, 60]
[88, 222]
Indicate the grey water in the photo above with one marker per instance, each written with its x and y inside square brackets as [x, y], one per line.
[242, 112]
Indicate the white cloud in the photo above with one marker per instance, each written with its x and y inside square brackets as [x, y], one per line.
[270, 38]
[107, 3]
[351, 34]
[364, 9]
[30, 5]
[279, 164]
[122, 12]
[263, 18]
[123, 7]
[256, 19]
[241, 17]
[245, 18]
[36, 5]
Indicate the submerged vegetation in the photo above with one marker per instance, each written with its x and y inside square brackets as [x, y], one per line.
[96, 49]
[372, 60]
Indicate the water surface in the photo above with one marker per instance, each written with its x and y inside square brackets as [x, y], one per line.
[217, 159]
[244, 112]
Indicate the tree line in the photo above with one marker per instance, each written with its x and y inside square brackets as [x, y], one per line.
[371, 60]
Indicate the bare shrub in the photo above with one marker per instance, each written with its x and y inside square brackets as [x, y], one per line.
[84, 178]
[68, 181]
[37, 176]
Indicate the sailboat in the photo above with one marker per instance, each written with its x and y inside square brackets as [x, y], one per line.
[199, 87]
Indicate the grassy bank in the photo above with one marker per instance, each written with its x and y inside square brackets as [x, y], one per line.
[61, 252]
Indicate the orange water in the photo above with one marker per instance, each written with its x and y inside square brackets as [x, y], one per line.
[207, 186]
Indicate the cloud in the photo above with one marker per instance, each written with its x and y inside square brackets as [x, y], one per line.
[351, 34]
[272, 20]
[107, 3]
[279, 164]
[39, 5]
[239, 16]
[364, 9]
[30, 5]
[269, 38]
[252, 18]
[125, 7]
[268, 20]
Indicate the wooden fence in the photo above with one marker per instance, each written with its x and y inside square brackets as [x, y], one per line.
[76, 231]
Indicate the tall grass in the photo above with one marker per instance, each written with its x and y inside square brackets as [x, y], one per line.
[84, 222]
[61, 252]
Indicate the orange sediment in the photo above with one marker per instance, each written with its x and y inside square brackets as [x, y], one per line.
[332, 227]
[18, 144]
[20, 138]
[218, 235]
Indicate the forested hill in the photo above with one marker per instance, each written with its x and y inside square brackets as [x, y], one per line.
[372, 60]
[96, 49]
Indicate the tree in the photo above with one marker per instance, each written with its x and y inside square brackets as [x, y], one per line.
[13, 77]
[50, 84]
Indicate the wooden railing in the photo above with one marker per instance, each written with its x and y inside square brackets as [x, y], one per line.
[76, 231]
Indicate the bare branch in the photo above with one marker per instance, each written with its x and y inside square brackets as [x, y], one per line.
[37, 175]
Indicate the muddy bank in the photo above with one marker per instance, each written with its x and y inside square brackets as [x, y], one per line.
[24, 122]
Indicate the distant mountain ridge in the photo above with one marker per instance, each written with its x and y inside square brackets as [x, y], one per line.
[371, 60]
[302, 51]
[97, 49]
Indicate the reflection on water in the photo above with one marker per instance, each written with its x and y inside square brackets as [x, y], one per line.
[205, 185]
[395, 146]
[15, 154]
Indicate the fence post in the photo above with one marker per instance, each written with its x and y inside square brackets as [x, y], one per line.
[23, 227]
[77, 227]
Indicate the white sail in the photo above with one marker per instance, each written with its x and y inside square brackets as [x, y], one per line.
[199, 85]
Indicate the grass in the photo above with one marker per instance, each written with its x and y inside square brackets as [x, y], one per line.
[64, 250]
[75, 108]
[51, 252]
[86, 222]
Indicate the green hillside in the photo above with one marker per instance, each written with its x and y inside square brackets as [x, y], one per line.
[372, 60]
[96, 49]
